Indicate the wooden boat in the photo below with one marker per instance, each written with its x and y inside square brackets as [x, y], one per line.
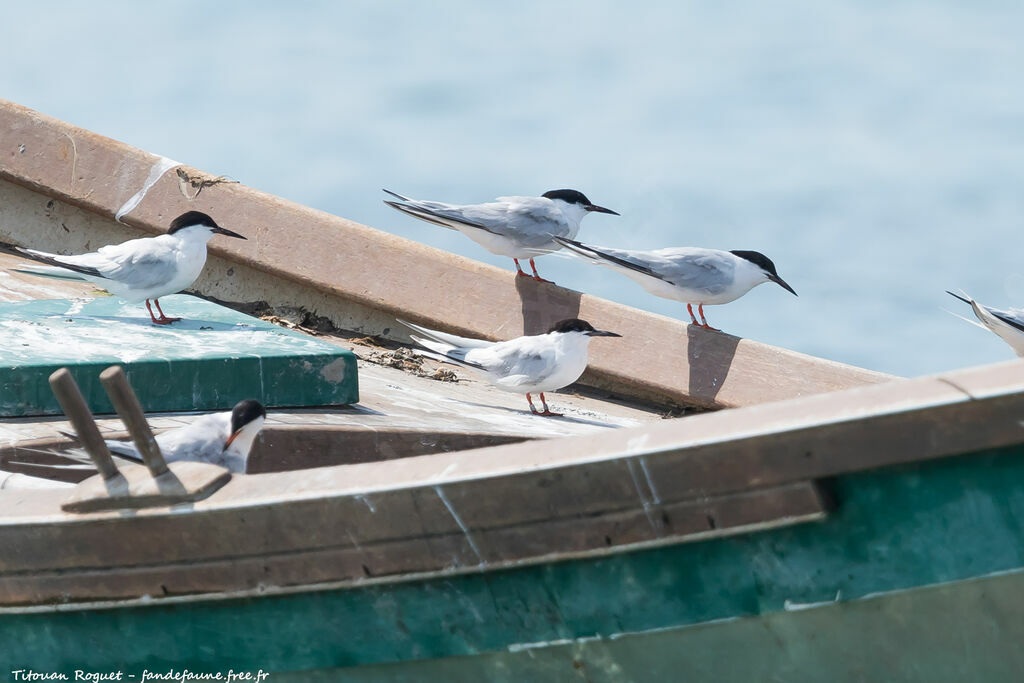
[802, 516]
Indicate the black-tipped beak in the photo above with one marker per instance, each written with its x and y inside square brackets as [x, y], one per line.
[782, 283]
[227, 233]
[966, 301]
[602, 333]
[600, 209]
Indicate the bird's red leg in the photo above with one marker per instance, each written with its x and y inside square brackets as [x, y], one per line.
[536, 275]
[151, 316]
[547, 411]
[519, 269]
[693, 318]
[164, 320]
[700, 309]
[532, 409]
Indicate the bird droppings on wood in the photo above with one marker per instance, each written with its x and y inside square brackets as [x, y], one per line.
[404, 359]
[284, 322]
[198, 182]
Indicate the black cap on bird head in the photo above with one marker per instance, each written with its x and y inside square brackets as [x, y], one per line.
[190, 218]
[576, 197]
[244, 413]
[582, 326]
[765, 264]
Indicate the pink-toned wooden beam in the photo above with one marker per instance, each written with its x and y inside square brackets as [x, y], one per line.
[658, 358]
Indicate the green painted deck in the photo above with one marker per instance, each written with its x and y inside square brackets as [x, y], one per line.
[899, 530]
[210, 360]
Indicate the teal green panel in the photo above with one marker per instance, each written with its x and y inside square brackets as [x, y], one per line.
[961, 631]
[210, 360]
[894, 529]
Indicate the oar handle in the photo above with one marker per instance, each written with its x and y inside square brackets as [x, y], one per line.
[71, 400]
[130, 411]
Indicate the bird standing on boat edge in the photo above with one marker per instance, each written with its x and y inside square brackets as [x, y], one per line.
[1007, 324]
[524, 365]
[517, 227]
[139, 269]
[691, 275]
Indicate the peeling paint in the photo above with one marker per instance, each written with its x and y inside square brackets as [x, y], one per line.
[448, 470]
[458, 520]
[74, 157]
[367, 501]
[631, 466]
[792, 606]
[334, 372]
[650, 482]
[162, 165]
[637, 443]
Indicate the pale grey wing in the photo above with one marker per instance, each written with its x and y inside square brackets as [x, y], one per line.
[529, 225]
[202, 440]
[125, 449]
[57, 265]
[705, 270]
[450, 339]
[449, 216]
[1014, 317]
[515, 366]
[700, 269]
[79, 459]
[530, 221]
[140, 266]
[179, 443]
[167, 441]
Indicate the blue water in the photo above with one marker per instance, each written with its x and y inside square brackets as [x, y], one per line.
[875, 151]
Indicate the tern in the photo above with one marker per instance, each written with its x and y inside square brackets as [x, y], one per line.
[517, 227]
[1008, 324]
[524, 365]
[691, 275]
[223, 439]
[139, 269]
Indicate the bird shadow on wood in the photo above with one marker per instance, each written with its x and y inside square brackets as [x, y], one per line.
[710, 355]
[545, 304]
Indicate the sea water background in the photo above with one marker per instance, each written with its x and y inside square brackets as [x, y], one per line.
[873, 150]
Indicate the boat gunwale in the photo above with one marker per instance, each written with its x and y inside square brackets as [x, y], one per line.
[670, 362]
[547, 509]
[733, 428]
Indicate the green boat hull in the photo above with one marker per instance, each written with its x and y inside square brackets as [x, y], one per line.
[924, 535]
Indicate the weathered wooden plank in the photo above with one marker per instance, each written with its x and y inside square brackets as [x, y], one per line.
[281, 449]
[703, 455]
[183, 482]
[515, 501]
[419, 514]
[658, 357]
[196, 566]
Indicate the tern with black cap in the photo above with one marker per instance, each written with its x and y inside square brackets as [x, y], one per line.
[691, 275]
[517, 227]
[139, 269]
[223, 439]
[524, 365]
